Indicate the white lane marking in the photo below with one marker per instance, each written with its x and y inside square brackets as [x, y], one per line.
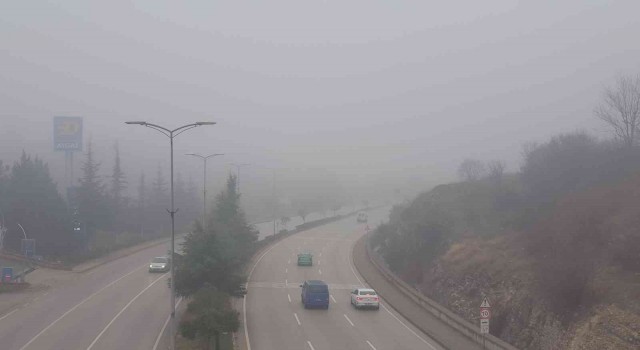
[332, 298]
[289, 261]
[286, 270]
[77, 306]
[320, 254]
[297, 319]
[155, 345]
[347, 317]
[371, 345]
[9, 314]
[310, 346]
[123, 310]
[319, 262]
[286, 282]
[244, 300]
[289, 297]
[384, 307]
[320, 271]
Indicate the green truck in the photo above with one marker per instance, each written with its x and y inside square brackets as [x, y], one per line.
[305, 259]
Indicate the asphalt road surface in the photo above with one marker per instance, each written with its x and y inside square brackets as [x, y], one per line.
[276, 318]
[119, 305]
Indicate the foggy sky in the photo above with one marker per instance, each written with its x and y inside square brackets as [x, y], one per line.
[390, 93]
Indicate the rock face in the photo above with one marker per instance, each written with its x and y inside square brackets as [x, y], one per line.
[497, 269]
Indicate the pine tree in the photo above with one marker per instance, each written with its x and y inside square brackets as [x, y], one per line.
[142, 204]
[118, 179]
[92, 202]
[34, 202]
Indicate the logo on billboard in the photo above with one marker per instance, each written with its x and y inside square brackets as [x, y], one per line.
[67, 133]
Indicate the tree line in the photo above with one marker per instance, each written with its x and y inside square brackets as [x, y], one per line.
[572, 203]
[103, 212]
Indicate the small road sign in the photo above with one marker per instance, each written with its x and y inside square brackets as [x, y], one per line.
[484, 326]
[485, 303]
[485, 313]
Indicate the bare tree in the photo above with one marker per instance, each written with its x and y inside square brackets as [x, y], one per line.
[620, 108]
[496, 170]
[471, 169]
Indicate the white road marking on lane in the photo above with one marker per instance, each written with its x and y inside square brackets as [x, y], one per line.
[289, 261]
[286, 270]
[347, 317]
[319, 262]
[289, 297]
[244, 300]
[320, 254]
[78, 305]
[286, 282]
[123, 310]
[384, 307]
[310, 346]
[297, 319]
[332, 298]
[9, 314]
[371, 345]
[155, 345]
[320, 271]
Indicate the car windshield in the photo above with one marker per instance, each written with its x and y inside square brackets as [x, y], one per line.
[159, 260]
[367, 292]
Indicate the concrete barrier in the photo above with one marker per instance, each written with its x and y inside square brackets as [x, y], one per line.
[445, 315]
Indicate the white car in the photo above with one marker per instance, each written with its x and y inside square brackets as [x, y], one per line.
[365, 297]
[159, 264]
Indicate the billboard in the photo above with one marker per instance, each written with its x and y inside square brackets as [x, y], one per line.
[67, 133]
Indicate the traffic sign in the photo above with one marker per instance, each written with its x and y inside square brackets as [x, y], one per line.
[67, 133]
[484, 326]
[485, 313]
[485, 303]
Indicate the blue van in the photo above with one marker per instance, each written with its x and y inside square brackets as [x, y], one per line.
[315, 293]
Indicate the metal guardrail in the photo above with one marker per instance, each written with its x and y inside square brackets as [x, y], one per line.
[445, 315]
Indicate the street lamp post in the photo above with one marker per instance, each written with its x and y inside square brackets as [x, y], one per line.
[171, 134]
[204, 184]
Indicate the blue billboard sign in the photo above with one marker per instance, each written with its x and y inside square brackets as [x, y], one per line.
[67, 133]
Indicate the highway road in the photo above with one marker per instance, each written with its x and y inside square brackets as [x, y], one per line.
[276, 320]
[119, 305]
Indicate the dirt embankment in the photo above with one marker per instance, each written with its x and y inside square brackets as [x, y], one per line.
[501, 269]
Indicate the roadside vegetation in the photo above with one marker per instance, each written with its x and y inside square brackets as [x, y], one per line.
[211, 270]
[98, 217]
[555, 245]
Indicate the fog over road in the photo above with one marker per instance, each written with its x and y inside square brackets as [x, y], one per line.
[276, 319]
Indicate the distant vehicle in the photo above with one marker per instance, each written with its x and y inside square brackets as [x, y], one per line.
[362, 217]
[241, 291]
[305, 259]
[365, 297]
[159, 264]
[315, 293]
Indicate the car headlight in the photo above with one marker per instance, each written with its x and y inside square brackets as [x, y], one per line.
[150, 266]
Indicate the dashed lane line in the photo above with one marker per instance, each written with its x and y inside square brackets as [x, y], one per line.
[310, 346]
[297, 319]
[348, 320]
[371, 345]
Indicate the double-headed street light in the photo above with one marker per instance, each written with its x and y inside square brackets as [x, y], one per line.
[204, 184]
[171, 134]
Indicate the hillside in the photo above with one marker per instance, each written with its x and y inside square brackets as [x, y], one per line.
[562, 271]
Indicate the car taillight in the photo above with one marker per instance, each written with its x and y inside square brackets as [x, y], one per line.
[375, 298]
[358, 299]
